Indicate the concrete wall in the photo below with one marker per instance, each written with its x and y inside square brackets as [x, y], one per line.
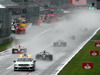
[98, 4]
[32, 14]
[5, 29]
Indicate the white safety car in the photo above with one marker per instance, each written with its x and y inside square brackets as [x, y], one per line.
[24, 62]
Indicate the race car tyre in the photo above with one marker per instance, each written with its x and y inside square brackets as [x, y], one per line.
[50, 57]
[33, 68]
[64, 44]
[13, 51]
[55, 44]
[13, 31]
[38, 56]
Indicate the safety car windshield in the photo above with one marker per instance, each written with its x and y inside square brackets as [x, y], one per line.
[24, 60]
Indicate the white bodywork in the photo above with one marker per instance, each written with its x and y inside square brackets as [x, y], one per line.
[24, 64]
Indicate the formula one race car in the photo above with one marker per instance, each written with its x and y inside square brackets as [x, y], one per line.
[25, 62]
[19, 26]
[20, 30]
[44, 56]
[19, 49]
[60, 43]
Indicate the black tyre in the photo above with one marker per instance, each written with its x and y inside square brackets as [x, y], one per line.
[13, 31]
[50, 57]
[64, 44]
[13, 51]
[38, 56]
[33, 68]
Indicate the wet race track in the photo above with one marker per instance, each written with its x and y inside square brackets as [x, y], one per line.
[74, 31]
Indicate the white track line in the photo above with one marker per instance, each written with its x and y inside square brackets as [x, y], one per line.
[46, 46]
[37, 36]
[10, 67]
[43, 32]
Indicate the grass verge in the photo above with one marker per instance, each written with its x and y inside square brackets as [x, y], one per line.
[9, 44]
[4, 46]
[74, 67]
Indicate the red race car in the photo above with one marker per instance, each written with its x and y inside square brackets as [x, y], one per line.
[20, 30]
[18, 50]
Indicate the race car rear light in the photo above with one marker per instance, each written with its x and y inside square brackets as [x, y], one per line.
[19, 51]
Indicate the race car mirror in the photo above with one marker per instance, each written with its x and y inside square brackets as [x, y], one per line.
[94, 52]
[14, 61]
[87, 65]
[34, 61]
[97, 44]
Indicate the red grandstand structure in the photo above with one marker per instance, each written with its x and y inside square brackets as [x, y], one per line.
[78, 2]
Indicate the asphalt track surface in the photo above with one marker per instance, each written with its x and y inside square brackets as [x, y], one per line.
[39, 38]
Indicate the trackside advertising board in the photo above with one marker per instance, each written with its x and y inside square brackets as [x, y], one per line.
[94, 52]
[78, 2]
[87, 65]
[97, 44]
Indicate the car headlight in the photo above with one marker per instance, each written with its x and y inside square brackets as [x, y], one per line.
[31, 64]
[16, 65]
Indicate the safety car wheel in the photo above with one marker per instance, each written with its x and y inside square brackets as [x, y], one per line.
[33, 68]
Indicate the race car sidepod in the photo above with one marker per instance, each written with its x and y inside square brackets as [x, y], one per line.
[18, 50]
